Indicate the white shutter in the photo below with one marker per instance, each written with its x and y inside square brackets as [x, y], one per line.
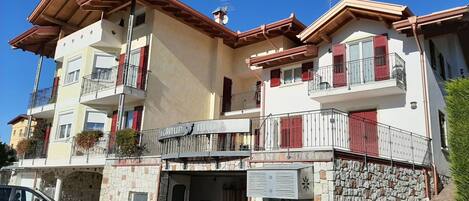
[96, 117]
[74, 65]
[104, 61]
[65, 118]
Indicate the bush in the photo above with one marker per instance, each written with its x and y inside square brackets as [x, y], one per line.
[87, 139]
[24, 146]
[127, 143]
[457, 103]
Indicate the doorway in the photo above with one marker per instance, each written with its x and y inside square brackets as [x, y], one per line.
[363, 131]
[227, 86]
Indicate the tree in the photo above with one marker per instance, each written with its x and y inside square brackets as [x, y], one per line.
[457, 103]
[7, 155]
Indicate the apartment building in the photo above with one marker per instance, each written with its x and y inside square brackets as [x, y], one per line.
[351, 106]
[19, 126]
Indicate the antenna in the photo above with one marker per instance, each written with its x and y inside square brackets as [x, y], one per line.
[227, 5]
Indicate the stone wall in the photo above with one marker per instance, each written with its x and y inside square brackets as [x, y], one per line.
[121, 177]
[80, 186]
[357, 180]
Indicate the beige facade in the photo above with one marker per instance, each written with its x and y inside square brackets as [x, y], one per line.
[19, 129]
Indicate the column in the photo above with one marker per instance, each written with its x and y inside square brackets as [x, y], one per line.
[58, 188]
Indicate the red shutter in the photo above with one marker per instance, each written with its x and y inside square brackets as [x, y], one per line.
[46, 138]
[142, 68]
[380, 45]
[137, 119]
[120, 70]
[55, 87]
[339, 68]
[307, 71]
[112, 137]
[275, 78]
[363, 132]
[285, 132]
[296, 132]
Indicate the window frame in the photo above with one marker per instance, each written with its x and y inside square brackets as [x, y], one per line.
[105, 120]
[442, 124]
[76, 73]
[68, 127]
[133, 193]
[293, 69]
[95, 68]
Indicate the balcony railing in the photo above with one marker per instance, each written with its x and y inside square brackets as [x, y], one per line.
[313, 130]
[241, 101]
[38, 150]
[331, 128]
[107, 78]
[100, 148]
[359, 72]
[43, 97]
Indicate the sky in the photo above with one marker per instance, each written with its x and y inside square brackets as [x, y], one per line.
[17, 68]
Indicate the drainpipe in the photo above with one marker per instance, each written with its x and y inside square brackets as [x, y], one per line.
[130, 27]
[423, 70]
[34, 94]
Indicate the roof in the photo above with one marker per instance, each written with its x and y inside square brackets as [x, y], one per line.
[284, 57]
[346, 10]
[18, 118]
[38, 39]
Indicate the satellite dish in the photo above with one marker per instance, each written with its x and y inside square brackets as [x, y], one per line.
[225, 19]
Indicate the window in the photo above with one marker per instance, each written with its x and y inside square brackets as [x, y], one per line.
[95, 121]
[129, 118]
[73, 70]
[65, 125]
[20, 133]
[102, 68]
[443, 136]
[14, 132]
[442, 68]
[133, 68]
[292, 75]
[26, 195]
[138, 196]
[5, 193]
[140, 19]
[432, 55]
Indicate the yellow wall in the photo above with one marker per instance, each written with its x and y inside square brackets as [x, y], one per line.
[19, 131]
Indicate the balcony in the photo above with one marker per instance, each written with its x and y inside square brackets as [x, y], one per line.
[95, 155]
[102, 33]
[43, 104]
[241, 103]
[358, 79]
[104, 86]
[321, 130]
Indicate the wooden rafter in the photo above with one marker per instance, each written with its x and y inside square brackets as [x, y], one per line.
[59, 22]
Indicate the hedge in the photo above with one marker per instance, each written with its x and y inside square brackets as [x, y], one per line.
[457, 102]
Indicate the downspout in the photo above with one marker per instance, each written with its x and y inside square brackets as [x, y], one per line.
[423, 69]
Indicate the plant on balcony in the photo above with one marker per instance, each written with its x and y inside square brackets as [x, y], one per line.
[458, 118]
[127, 143]
[87, 139]
[25, 146]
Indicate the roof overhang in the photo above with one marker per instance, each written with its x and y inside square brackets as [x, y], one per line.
[347, 10]
[18, 118]
[289, 27]
[38, 39]
[284, 57]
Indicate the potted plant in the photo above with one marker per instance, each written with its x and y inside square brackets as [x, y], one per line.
[127, 143]
[24, 146]
[87, 139]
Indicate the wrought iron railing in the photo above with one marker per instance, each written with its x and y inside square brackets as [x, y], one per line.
[100, 148]
[38, 149]
[311, 130]
[241, 101]
[358, 72]
[42, 97]
[107, 78]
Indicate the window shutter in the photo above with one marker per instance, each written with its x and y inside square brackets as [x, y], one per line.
[55, 87]
[307, 71]
[142, 67]
[380, 46]
[284, 132]
[275, 78]
[46, 138]
[120, 70]
[296, 130]
[137, 119]
[338, 62]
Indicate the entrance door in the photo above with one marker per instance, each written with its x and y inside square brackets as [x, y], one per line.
[226, 104]
[179, 187]
[363, 132]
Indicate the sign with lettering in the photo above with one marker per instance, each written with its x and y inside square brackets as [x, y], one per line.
[206, 127]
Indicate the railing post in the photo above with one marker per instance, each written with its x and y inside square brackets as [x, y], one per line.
[412, 149]
[347, 73]
[390, 144]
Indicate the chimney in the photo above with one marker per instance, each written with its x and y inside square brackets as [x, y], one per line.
[219, 15]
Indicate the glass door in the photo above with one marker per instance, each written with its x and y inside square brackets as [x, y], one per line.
[354, 63]
[368, 61]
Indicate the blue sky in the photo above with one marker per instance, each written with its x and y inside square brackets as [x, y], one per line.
[17, 68]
